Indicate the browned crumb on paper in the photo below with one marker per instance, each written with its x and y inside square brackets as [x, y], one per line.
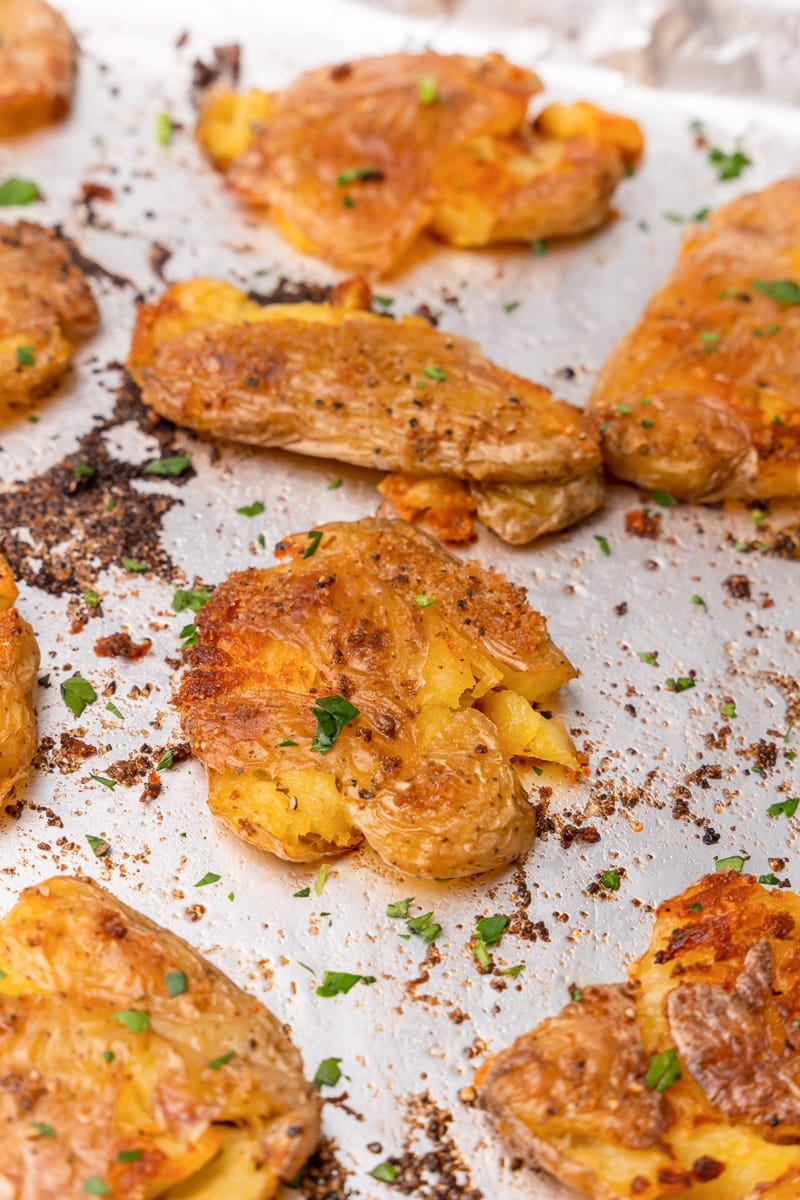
[324, 1176]
[642, 523]
[431, 1166]
[62, 529]
[121, 645]
[226, 64]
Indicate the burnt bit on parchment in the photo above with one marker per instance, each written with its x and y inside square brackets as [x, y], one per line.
[286, 291]
[226, 64]
[61, 530]
[324, 1177]
[431, 1166]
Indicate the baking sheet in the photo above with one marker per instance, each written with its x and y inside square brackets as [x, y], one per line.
[659, 792]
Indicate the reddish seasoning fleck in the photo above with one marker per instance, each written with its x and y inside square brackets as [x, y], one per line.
[121, 645]
[96, 191]
[643, 524]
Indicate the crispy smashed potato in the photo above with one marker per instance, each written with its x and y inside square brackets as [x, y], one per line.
[429, 667]
[19, 663]
[686, 1079]
[334, 379]
[702, 397]
[353, 162]
[37, 66]
[130, 1061]
[46, 304]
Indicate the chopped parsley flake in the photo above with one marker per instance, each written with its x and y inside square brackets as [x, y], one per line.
[322, 879]
[603, 544]
[18, 191]
[785, 808]
[696, 907]
[44, 1130]
[729, 709]
[384, 301]
[575, 994]
[315, 537]
[332, 713]
[357, 174]
[44, 680]
[77, 693]
[538, 247]
[648, 656]
[734, 862]
[134, 1019]
[624, 409]
[663, 1069]
[491, 929]
[189, 635]
[91, 598]
[99, 846]
[126, 1156]
[133, 565]
[217, 1063]
[423, 600]
[385, 1171]
[252, 510]
[306, 891]
[513, 971]
[435, 373]
[427, 91]
[334, 484]
[164, 129]
[339, 983]
[424, 927]
[610, 879]
[83, 471]
[177, 983]
[782, 291]
[95, 1186]
[26, 355]
[328, 1073]
[511, 306]
[209, 877]
[166, 761]
[769, 880]
[288, 742]
[192, 598]
[399, 908]
[699, 601]
[665, 499]
[682, 684]
[169, 467]
[109, 783]
[729, 166]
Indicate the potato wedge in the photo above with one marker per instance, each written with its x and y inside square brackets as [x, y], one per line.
[702, 397]
[46, 304]
[130, 1060]
[686, 1080]
[333, 379]
[37, 66]
[19, 664]
[353, 162]
[410, 650]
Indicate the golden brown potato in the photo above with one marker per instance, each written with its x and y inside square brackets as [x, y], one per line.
[685, 1080]
[429, 667]
[702, 397]
[130, 1061]
[353, 162]
[45, 305]
[334, 379]
[19, 663]
[37, 65]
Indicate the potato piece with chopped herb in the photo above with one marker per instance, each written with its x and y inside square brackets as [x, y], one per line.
[333, 379]
[37, 66]
[360, 690]
[354, 162]
[46, 304]
[19, 662]
[134, 1068]
[702, 397]
[683, 1081]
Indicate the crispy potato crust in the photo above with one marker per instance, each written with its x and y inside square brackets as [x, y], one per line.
[37, 66]
[702, 396]
[205, 1086]
[45, 305]
[436, 141]
[19, 663]
[719, 985]
[423, 646]
[334, 379]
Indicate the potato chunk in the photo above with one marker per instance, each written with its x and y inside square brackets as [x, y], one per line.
[354, 162]
[37, 65]
[129, 1059]
[19, 664]
[702, 397]
[388, 724]
[333, 379]
[687, 1079]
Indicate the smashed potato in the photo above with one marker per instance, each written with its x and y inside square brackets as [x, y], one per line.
[702, 397]
[353, 162]
[684, 1080]
[134, 1068]
[19, 663]
[334, 379]
[373, 687]
[37, 66]
[46, 304]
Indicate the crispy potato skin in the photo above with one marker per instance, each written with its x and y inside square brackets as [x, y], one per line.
[37, 66]
[73, 955]
[334, 379]
[466, 166]
[45, 305]
[722, 411]
[19, 664]
[420, 772]
[720, 983]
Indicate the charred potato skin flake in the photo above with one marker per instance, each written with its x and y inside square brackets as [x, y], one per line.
[721, 411]
[720, 984]
[73, 955]
[422, 773]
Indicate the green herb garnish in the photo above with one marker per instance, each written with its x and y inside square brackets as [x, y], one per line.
[663, 1070]
[332, 713]
[77, 693]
